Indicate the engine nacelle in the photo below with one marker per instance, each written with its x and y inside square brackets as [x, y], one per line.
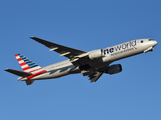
[113, 69]
[95, 54]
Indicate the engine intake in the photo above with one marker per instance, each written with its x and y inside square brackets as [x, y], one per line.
[113, 69]
[95, 54]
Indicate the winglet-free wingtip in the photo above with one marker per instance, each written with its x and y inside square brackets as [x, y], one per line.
[6, 69]
[32, 37]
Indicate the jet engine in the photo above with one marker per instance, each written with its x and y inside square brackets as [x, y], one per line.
[95, 54]
[113, 69]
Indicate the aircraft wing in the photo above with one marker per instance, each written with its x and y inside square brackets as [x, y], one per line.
[62, 50]
[77, 57]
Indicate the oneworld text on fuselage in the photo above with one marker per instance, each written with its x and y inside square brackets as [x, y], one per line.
[120, 47]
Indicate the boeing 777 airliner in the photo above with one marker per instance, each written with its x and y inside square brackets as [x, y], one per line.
[92, 64]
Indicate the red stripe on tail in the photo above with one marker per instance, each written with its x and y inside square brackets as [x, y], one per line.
[19, 59]
[16, 55]
[26, 68]
[22, 64]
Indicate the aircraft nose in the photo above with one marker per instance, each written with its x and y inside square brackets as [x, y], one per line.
[155, 43]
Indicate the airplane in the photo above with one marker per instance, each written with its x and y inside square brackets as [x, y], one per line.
[92, 64]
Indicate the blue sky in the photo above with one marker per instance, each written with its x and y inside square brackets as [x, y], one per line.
[133, 94]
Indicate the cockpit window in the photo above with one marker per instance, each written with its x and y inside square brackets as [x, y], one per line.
[150, 40]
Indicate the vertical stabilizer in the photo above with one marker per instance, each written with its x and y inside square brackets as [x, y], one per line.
[27, 65]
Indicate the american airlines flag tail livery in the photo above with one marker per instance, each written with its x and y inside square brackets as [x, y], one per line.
[26, 64]
[92, 64]
[29, 66]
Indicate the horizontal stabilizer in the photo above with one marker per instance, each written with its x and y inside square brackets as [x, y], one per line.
[19, 73]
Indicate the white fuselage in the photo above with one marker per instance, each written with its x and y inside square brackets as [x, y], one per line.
[109, 55]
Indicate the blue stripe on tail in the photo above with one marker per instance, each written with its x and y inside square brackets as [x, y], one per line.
[30, 63]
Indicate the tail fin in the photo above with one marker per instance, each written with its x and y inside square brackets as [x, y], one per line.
[27, 65]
